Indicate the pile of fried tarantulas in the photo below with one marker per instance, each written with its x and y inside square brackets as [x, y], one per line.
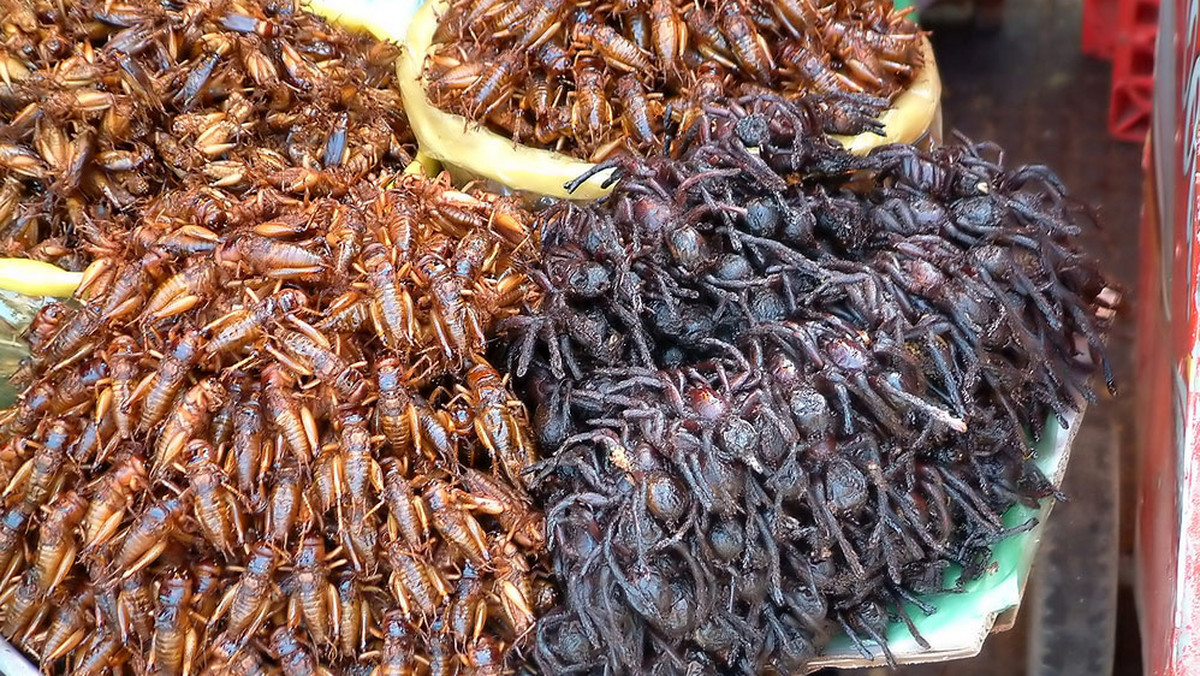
[783, 391]
[279, 446]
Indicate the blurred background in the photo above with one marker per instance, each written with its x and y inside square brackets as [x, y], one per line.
[1016, 72]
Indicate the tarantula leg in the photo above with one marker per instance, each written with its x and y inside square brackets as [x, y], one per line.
[1085, 326]
[903, 594]
[987, 540]
[1041, 174]
[935, 413]
[817, 499]
[877, 407]
[524, 355]
[694, 475]
[886, 514]
[566, 356]
[598, 401]
[617, 164]
[853, 636]
[905, 463]
[630, 376]
[999, 394]
[1038, 219]
[909, 511]
[845, 408]
[966, 495]
[1050, 311]
[880, 538]
[867, 626]
[898, 604]
[941, 366]
[630, 638]
[774, 572]
[634, 326]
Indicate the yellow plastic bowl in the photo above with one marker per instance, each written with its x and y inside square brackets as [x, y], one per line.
[385, 19]
[34, 278]
[468, 148]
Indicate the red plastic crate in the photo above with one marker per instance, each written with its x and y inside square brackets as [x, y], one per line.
[1100, 27]
[1132, 93]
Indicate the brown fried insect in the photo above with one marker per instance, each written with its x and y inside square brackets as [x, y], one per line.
[45, 324]
[503, 433]
[249, 600]
[247, 451]
[347, 314]
[395, 408]
[328, 478]
[237, 658]
[133, 282]
[668, 36]
[285, 504]
[313, 593]
[36, 480]
[538, 25]
[411, 581]
[123, 354]
[294, 658]
[590, 113]
[237, 385]
[189, 419]
[522, 523]
[208, 589]
[406, 510]
[345, 237]
[310, 356]
[289, 418]
[443, 659]
[110, 496]
[814, 70]
[12, 532]
[182, 291]
[485, 657]
[102, 652]
[391, 305]
[636, 117]
[21, 605]
[455, 322]
[148, 535]
[174, 644]
[57, 546]
[456, 524]
[239, 327]
[68, 627]
[514, 585]
[491, 87]
[352, 614]
[79, 386]
[745, 42]
[215, 506]
[157, 391]
[616, 50]
[362, 474]
[398, 656]
[271, 258]
[467, 613]
[359, 535]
